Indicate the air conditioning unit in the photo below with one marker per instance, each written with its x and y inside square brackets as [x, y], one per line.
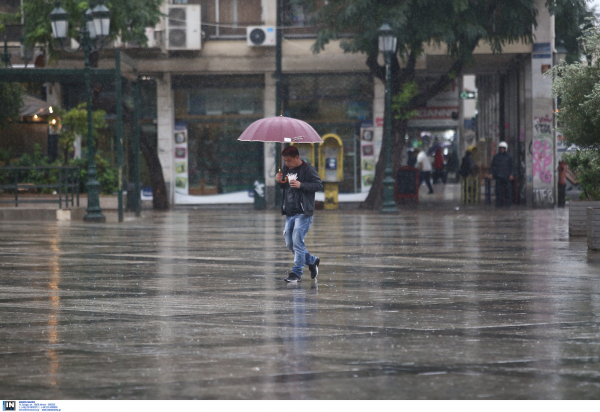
[183, 27]
[260, 36]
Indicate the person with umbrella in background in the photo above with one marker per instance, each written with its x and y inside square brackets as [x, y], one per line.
[502, 171]
[299, 185]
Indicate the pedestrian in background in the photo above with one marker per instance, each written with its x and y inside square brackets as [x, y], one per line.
[501, 170]
[424, 166]
[438, 166]
[298, 204]
[467, 165]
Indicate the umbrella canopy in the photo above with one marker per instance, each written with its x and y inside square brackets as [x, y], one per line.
[33, 106]
[437, 146]
[281, 130]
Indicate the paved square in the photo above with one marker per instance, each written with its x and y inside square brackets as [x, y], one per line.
[191, 304]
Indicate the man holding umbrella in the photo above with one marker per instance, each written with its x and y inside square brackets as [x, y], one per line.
[299, 181]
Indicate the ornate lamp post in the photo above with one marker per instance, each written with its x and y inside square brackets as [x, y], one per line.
[387, 46]
[95, 28]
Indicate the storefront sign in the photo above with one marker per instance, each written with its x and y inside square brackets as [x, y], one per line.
[180, 136]
[367, 157]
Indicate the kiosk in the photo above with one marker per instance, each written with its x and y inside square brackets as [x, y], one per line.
[331, 168]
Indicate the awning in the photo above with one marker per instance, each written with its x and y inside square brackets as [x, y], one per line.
[33, 106]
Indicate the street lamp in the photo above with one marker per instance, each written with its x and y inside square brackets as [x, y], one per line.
[96, 26]
[387, 46]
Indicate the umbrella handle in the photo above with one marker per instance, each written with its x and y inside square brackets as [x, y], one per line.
[286, 179]
[280, 162]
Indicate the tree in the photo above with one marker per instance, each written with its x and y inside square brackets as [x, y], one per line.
[457, 25]
[128, 19]
[74, 123]
[11, 94]
[577, 85]
[571, 18]
[11, 101]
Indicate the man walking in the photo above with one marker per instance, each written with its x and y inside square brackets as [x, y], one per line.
[502, 171]
[298, 204]
[424, 166]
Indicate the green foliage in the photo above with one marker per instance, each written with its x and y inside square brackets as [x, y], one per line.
[457, 24]
[586, 165]
[401, 101]
[11, 102]
[571, 19]
[9, 18]
[577, 86]
[74, 122]
[38, 177]
[129, 18]
[107, 176]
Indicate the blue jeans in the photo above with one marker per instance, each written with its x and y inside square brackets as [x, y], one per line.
[296, 228]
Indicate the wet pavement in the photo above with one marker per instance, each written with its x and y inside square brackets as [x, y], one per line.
[190, 304]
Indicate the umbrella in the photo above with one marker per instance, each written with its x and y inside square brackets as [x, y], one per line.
[280, 129]
[433, 149]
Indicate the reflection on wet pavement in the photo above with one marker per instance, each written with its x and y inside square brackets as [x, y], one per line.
[191, 304]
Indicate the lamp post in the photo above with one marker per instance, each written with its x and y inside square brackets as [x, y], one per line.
[387, 46]
[96, 25]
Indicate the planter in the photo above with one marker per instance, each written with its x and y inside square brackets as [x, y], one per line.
[578, 217]
[593, 228]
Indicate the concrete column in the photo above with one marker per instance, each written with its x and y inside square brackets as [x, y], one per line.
[269, 12]
[269, 148]
[165, 126]
[522, 121]
[528, 130]
[541, 152]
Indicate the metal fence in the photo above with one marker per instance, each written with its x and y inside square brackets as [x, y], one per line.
[21, 178]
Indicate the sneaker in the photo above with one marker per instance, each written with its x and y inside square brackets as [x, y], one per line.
[314, 269]
[292, 277]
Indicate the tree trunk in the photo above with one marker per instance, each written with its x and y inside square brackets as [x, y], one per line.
[375, 197]
[160, 197]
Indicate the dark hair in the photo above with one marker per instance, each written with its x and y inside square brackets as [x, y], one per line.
[290, 151]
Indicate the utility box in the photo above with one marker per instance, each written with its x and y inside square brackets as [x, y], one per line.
[331, 168]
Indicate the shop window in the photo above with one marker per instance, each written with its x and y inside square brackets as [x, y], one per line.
[216, 102]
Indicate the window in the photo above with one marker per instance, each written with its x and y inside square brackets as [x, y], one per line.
[220, 18]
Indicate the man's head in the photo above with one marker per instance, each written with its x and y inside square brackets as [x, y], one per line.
[291, 157]
[503, 146]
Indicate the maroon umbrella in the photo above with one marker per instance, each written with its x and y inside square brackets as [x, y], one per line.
[280, 129]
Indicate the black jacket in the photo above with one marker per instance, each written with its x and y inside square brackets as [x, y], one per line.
[502, 166]
[300, 201]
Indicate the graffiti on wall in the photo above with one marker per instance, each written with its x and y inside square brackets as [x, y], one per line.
[543, 159]
[542, 151]
[543, 197]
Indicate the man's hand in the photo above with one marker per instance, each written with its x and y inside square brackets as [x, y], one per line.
[279, 177]
[295, 184]
[511, 177]
[489, 176]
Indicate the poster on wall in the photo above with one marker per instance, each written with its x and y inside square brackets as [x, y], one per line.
[367, 157]
[180, 137]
